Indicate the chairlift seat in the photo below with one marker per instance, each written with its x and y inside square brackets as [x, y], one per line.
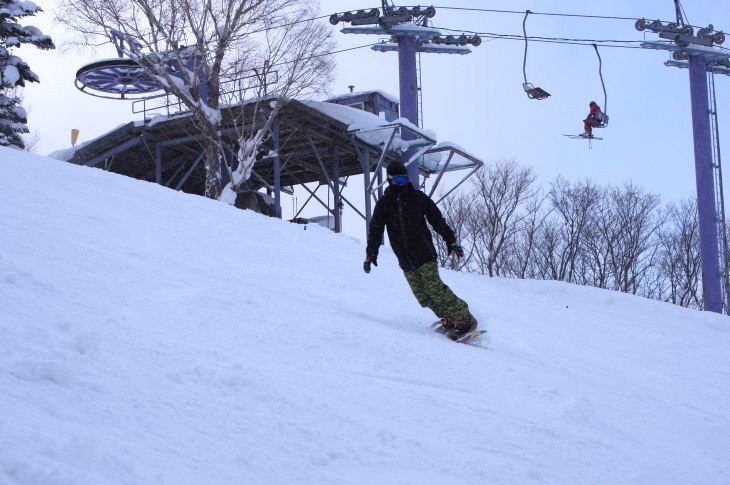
[535, 93]
[600, 121]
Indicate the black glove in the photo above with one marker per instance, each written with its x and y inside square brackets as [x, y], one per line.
[368, 261]
[456, 247]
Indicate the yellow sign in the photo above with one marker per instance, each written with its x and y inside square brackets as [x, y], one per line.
[74, 136]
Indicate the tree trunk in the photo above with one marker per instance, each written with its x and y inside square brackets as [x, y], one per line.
[212, 171]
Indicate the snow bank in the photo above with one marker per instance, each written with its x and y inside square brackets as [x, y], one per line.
[150, 336]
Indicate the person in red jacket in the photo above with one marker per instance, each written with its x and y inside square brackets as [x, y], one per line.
[592, 119]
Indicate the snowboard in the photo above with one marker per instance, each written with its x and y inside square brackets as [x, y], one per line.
[469, 339]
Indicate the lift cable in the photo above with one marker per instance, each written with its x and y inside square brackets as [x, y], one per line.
[555, 14]
[551, 40]
[538, 38]
[325, 54]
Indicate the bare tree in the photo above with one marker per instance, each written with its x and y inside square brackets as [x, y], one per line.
[600, 236]
[192, 47]
[611, 237]
[31, 141]
[457, 210]
[636, 222]
[32, 138]
[520, 261]
[562, 236]
[679, 255]
[501, 190]
[620, 244]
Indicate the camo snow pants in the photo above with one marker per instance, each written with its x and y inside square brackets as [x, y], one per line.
[433, 293]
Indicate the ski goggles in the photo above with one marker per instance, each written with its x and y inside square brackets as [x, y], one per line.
[399, 179]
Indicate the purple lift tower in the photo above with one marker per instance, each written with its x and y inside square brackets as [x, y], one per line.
[698, 54]
[409, 36]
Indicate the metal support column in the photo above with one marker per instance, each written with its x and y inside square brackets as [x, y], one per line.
[277, 167]
[711, 275]
[408, 74]
[380, 183]
[158, 163]
[192, 168]
[365, 161]
[336, 192]
[719, 194]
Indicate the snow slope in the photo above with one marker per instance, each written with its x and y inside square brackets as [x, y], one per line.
[149, 336]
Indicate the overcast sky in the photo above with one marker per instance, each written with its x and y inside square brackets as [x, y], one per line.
[477, 100]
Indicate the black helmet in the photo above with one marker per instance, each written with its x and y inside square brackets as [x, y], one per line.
[591, 103]
[396, 168]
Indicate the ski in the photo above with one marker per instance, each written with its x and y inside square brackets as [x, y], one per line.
[583, 137]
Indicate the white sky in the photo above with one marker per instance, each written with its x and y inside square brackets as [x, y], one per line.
[477, 100]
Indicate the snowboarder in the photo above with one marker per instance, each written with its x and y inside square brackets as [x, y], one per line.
[404, 211]
[592, 119]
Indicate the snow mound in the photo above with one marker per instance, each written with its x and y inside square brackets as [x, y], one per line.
[150, 336]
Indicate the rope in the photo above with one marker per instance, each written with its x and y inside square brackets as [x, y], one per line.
[600, 73]
[524, 33]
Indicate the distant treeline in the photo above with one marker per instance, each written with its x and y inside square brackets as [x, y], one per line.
[617, 237]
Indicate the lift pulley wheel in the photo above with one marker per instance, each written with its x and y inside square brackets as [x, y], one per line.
[115, 79]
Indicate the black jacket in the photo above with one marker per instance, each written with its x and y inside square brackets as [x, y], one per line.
[404, 211]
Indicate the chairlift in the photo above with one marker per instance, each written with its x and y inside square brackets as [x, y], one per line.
[601, 119]
[532, 91]
[602, 116]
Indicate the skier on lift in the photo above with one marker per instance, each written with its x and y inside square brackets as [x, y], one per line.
[592, 119]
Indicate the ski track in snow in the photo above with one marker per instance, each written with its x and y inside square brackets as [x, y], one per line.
[150, 336]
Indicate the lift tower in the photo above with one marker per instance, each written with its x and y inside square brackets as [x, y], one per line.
[409, 36]
[697, 52]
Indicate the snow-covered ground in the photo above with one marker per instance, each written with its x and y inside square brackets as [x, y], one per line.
[149, 336]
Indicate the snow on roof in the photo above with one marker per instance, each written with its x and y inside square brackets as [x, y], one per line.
[411, 29]
[357, 119]
[373, 129]
[414, 28]
[705, 51]
[451, 144]
[437, 156]
[354, 118]
[66, 154]
[387, 46]
[388, 96]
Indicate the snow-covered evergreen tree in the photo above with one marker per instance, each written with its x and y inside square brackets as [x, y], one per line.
[14, 72]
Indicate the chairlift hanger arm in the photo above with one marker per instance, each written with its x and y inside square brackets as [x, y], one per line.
[524, 33]
[531, 91]
[600, 74]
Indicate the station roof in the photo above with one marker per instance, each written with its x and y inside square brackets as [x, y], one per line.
[312, 133]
